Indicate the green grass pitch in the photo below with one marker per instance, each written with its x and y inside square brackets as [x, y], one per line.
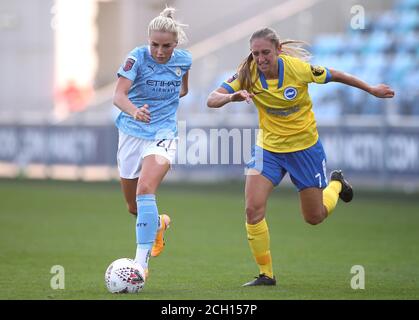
[85, 226]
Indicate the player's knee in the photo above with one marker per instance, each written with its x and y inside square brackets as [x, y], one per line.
[313, 219]
[145, 188]
[254, 214]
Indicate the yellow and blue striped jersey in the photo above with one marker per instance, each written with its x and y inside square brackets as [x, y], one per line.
[284, 105]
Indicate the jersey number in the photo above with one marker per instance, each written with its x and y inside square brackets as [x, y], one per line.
[162, 144]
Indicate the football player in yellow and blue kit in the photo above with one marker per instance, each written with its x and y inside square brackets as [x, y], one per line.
[275, 76]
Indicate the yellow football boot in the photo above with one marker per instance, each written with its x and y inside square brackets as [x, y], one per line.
[158, 245]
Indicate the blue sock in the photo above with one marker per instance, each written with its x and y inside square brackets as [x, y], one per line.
[146, 228]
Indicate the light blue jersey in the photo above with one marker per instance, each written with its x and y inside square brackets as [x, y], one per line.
[157, 85]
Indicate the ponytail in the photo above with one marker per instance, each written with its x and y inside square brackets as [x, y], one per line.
[165, 22]
[294, 48]
[245, 74]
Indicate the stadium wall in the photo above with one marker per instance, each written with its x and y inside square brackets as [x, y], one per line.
[374, 156]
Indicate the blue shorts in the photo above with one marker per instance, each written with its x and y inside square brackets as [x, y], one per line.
[307, 168]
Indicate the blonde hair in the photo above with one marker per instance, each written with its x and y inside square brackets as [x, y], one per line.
[289, 47]
[165, 22]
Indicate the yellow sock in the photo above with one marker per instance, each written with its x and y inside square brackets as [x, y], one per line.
[259, 242]
[331, 196]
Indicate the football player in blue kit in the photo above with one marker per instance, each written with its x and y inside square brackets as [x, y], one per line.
[150, 83]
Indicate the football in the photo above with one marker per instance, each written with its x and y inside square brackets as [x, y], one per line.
[124, 276]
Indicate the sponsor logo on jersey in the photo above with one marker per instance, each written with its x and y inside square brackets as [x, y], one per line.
[162, 83]
[162, 86]
[290, 93]
[283, 112]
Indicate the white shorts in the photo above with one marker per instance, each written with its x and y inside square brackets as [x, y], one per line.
[132, 151]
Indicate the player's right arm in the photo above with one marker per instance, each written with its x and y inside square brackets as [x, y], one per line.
[221, 96]
[121, 100]
[229, 91]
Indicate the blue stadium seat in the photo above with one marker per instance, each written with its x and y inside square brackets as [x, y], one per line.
[409, 20]
[401, 64]
[409, 43]
[330, 44]
[356, 41]
[350, 62]
[388, 21]
[378, 41]
[407, 5]
[408, 92]
[375, 63]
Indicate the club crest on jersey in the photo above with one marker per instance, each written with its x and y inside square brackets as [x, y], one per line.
[232, 78]
[317, 71]
[129, 63]
[290, 93]
[178, 71]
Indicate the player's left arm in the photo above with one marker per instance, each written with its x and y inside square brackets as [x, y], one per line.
[379, 90]
[184, 88]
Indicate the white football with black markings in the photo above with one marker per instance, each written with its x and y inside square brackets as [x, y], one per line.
[124, 276]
